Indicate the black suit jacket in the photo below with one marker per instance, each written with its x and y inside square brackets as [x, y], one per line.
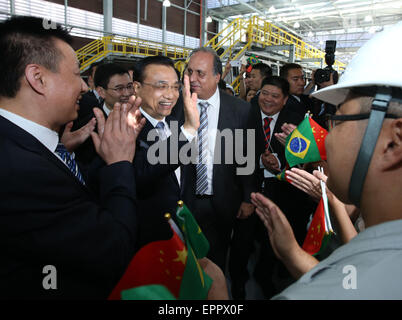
[47, 217]
[229, 189]
[158, 189]
[301, 107]
[86, 152]
[255, 120]
[296, 205]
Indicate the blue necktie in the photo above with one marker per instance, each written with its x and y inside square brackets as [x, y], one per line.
[201, 167]
[71, 164]
[160, 127]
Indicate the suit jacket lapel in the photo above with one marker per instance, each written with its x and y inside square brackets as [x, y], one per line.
[30, 143]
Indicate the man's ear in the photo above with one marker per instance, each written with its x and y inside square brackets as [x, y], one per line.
[35, 76]
[137, 87]
[101, 91]
[392, 156]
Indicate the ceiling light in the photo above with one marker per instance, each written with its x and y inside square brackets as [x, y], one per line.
[368, 18]
[272, 9]
[209, 19]
[296, 25]
[310, 34]
[166, 3]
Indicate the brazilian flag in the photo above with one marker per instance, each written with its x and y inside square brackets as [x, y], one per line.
[306, 143]
[253, 59]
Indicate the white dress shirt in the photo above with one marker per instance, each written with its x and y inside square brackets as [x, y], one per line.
[46, 136]
[168, 133]
[213, 117]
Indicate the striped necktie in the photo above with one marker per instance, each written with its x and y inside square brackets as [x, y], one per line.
[201, 167]
[69, 161]
[160, 127]
[267, 131]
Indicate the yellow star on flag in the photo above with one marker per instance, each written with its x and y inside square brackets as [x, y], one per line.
[181, 256]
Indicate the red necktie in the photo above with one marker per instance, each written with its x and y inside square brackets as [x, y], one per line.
[267, 131]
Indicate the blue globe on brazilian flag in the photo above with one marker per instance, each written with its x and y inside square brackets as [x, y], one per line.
[306, 143]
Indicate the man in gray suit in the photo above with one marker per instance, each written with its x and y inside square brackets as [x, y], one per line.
[212, 188]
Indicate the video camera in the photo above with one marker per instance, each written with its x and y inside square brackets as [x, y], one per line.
[324, 75]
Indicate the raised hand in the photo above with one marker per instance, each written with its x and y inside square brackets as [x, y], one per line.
[306, 182]
[281, 237]
[73, 139]
[115, 140]
[280, 232]
[287, 129]
[191, 114]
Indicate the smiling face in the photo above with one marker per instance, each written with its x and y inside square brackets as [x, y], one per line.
[158, 101]
[271, 99]
[65, 88]
[119, 89]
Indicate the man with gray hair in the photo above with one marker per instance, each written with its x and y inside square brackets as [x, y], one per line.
[212, 189]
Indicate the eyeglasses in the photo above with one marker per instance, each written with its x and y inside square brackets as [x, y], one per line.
[334, 120]
[164, 86]
[120, 89]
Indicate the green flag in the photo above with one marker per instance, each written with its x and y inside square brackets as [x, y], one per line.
[149, 292]
[306, 143]
[198, 246]
[168, 268]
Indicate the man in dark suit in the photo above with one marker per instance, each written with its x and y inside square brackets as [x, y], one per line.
[158, 182]
[57, 240]
[297, 101]
[268, 114]
[113, 84]
[213, 189]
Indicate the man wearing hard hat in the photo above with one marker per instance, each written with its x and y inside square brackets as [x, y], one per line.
[364, 150]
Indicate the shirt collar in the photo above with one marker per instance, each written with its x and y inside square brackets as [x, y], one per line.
[106, 109]
[274, 117]
[213, 100]
[46, 136]
[152, 120]
[296, 97]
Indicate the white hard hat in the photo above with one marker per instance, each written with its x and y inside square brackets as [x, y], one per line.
[377, 63]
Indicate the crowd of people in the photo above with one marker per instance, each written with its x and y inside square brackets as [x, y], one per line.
[84, 194]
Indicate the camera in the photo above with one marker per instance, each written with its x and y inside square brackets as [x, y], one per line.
[324, 75]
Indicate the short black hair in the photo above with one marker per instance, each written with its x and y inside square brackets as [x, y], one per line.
[105, 71]
[26, 40]
[288, 66]
[217, 60]
[265, 70]
[158, 60]
[278, 82]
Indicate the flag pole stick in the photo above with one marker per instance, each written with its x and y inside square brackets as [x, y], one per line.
[325, 200]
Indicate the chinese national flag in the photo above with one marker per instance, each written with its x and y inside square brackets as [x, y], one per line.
[317, 233]
[319, 136]
[159, 262]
